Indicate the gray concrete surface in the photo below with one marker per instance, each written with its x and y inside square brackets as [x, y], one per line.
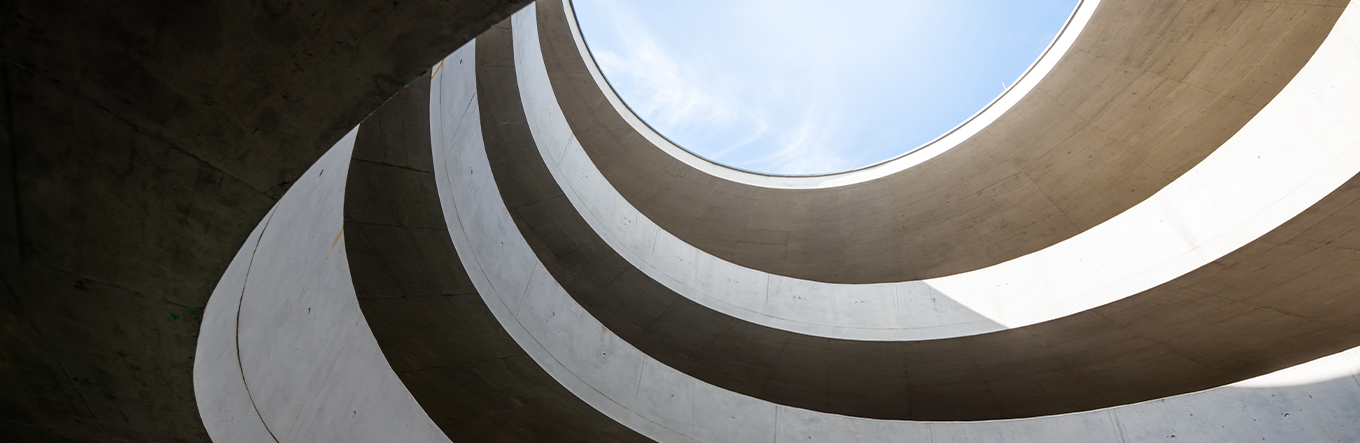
[146, 141]
[472, 379]
[667, 405]
[142, 143]
[1058, 366]
[299, 361]
[285, 317]
[1145, 92]
[1259, 178]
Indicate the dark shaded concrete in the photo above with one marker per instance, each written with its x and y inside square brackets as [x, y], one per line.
[467, 373]
[142, 141]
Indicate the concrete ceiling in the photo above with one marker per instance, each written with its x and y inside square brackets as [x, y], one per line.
[142, 142]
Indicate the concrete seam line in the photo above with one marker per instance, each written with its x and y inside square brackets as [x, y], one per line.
[237, 331]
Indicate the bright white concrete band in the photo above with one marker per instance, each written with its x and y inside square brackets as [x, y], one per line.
[669, 406]
[975, 124]
[1298, 149]
[284, 353]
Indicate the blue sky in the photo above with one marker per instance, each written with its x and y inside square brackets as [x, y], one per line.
[804, 87]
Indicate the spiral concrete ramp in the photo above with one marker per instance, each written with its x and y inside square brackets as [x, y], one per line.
[1149, 237]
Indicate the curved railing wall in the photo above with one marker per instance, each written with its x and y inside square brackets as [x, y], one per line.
[1028, 79]
[284, 353]
[411, 339]
[1262, 176]
[1142, 94]
[357, 321]
[1035, 377]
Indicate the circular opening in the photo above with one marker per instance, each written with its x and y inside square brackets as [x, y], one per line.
[805, 88]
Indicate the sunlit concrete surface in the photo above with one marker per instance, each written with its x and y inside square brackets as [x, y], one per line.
[470, 377]
[1291, 154]
[669, 406]
[287, 352]
[1316, 401]
[510, 135]
[286, 318]
[1138, 98]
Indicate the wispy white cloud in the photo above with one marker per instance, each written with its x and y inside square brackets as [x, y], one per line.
[810, 146]
[795, 87]
[709, 111]
[661, 89]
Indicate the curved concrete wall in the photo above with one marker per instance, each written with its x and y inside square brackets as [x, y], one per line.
[468, 375]
[978, 122]
[285, 353]
[1062, 365]
[662, 403]
[1285, 159]
[518, 329]
[322, 347]
[1145, 93]
[142, 142]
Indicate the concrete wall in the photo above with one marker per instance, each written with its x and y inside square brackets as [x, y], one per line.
[1142, 95]
[142, 142]
[667, 405]
[285, 353]
[472, 379]
[269, 368]
[1284, 160]
[305, 340]
[1062, 365]
[145, 142]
